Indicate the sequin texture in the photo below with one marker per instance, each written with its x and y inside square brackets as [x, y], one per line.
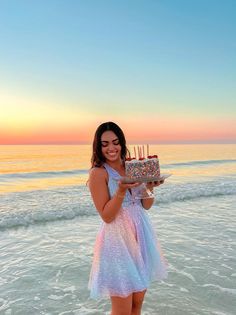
[127, 255]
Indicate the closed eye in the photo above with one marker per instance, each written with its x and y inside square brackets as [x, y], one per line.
[106, 143]
[116, 142]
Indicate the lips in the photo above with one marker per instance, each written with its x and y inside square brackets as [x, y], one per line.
[112, 154]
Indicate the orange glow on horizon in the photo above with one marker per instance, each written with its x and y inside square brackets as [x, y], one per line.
[136, 130]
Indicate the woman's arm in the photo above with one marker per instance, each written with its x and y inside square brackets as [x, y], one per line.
[147, 203]
[107, 207]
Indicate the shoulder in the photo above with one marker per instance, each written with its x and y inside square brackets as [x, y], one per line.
[98, 178]
[98, 173]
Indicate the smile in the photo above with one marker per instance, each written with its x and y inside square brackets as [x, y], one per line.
[112, 153]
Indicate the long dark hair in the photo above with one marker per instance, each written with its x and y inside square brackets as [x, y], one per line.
[98, 159]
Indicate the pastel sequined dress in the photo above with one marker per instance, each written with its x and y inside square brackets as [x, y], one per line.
[127, 256]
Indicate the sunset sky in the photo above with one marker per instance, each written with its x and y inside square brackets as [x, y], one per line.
[164, 70]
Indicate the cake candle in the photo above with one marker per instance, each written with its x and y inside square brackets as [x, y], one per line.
[147, 149]
[140, 152]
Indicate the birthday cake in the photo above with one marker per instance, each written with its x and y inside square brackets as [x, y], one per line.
[142, 168]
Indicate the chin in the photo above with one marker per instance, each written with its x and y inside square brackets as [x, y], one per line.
[112, 159]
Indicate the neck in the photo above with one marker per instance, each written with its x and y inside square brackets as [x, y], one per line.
[116, 164]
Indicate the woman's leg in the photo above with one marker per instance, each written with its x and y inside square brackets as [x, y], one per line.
[137, 302]
[121, 306]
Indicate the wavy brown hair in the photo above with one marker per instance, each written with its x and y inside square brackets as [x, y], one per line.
[98, 159]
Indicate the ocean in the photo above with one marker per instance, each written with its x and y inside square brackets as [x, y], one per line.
[48, 226]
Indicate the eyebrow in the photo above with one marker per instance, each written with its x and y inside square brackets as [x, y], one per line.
[104, 141]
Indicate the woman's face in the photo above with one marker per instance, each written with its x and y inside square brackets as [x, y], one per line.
[111, 148]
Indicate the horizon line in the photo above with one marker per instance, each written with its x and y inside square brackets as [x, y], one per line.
[132, 143]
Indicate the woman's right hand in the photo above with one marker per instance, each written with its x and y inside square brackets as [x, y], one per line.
[124, 186]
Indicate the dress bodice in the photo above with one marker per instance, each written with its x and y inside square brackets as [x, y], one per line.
[113, 178]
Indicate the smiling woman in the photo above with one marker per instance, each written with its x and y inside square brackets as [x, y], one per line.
[127, 257]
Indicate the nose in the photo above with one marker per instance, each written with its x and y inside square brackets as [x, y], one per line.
[111, 146]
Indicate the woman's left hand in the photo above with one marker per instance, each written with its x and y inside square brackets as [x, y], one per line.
[151, 185]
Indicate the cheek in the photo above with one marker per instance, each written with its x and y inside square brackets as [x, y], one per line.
[119, 148]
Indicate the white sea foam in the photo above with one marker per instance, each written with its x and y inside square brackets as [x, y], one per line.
[70, 289]
[220, 313]
[186, 274]
[188, 191]
[199, 163]
[227, 290]
[56, 297]
[226, 266]
[40, 206]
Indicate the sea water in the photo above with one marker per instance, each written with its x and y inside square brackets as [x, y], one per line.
[48, 226]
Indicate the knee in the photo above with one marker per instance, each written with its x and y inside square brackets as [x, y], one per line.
[122, 309]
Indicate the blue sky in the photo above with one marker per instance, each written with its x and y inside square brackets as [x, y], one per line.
[167, 58]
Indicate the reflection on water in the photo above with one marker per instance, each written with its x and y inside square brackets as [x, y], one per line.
[32, 167]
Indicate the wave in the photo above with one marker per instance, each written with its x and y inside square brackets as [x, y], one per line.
[190, 191]
[42, 206]
[222, 289]
[198, 163]
[85, 171]
[30, 175]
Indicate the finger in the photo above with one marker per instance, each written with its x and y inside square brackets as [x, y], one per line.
[134, 185]
[124, 185]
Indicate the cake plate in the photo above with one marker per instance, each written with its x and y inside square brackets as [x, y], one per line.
[127, 180]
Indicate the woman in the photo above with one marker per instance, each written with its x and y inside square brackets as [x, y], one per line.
[126, 253]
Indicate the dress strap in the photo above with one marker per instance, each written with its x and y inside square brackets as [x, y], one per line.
[111, 171]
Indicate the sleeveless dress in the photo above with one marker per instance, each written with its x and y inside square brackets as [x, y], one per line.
[127, 255]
